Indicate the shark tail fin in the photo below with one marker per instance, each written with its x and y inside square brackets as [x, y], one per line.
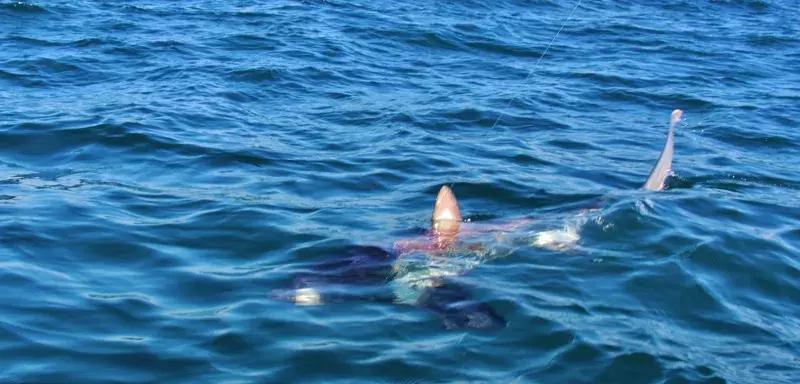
[658, 176]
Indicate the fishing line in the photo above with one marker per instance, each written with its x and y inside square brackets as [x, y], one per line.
[503, 111]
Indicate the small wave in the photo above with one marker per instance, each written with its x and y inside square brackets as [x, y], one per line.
[569, 144]
[131, 137]
[146, 10]
[89, 42]
[768, 40]
[735, 182]
[256, 75]
[433, 40]
[21, 79]
[246, 42]
[611, 79]
[754, 4]
[44, 71]
[22, 7]
[239, 97]
[171, 46]
[25, 40]
[253, 14]
[120, 297]
[123, 26]
[128, 50]
[470, 115]
[49, 65]
[664, 101]
[504, 49]
[619, 29]
[751, 141]
[632, 367]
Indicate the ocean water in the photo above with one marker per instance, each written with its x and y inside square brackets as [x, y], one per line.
[165, 165]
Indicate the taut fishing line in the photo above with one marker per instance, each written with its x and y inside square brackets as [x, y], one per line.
[503, 111]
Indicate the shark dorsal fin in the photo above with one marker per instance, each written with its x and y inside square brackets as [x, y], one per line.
[446, 218]
[446, 207]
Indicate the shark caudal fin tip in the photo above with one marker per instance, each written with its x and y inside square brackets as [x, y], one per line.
[676, 115]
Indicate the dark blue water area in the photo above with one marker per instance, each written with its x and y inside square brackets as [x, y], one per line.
[166, 165]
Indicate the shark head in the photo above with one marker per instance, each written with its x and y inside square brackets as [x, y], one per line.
[446, 219]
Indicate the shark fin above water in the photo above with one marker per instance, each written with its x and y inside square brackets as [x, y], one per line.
[655, 182]
[446, 207]
[446, 218]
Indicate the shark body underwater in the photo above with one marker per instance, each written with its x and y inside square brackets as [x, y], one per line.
[423, 272]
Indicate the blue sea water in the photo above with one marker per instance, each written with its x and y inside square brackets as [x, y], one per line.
[164, 165]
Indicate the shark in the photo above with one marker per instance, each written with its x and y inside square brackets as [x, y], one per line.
[424, 271]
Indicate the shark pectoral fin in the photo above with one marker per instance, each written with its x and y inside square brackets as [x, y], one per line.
[358, 273]
[658, 176]
[458, 310]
